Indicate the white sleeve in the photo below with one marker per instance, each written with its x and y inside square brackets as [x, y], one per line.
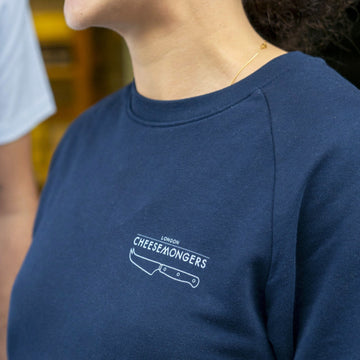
[25, 95]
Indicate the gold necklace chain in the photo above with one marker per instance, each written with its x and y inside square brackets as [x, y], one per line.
[262, 47]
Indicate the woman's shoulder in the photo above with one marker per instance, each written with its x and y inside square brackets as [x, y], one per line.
[314, 115]
[105, 110]
[305, 80]
[312, 98]
[91, 127]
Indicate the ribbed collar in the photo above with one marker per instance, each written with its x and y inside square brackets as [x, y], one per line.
[173, 112]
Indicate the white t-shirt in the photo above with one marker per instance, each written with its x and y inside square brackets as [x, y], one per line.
[25, 94]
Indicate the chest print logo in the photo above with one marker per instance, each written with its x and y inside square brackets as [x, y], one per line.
[150, 267]
[168, 249]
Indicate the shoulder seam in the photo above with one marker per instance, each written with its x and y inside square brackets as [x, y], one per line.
[262, 91]
[271, 80]
[274, 185]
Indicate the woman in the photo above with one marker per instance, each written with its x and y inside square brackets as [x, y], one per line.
[187, 218]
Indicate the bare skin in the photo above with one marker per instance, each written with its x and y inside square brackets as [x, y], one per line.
[179, 49]
[18, 202]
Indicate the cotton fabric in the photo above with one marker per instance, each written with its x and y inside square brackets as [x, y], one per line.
[25, 94]
[222, 226]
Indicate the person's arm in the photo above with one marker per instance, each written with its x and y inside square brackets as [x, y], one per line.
[18, 203]
[327, 306]
[313, 288]
[25, 101]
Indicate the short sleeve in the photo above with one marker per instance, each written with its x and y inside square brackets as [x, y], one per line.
[327, 296]
[25, 94]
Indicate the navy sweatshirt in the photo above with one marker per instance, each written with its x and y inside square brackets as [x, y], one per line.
[223, 226]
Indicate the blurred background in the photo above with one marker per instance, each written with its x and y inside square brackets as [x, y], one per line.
[85, 66]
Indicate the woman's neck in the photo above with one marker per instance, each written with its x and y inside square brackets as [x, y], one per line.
[198, 49]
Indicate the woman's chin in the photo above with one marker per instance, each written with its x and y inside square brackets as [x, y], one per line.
[75, 17]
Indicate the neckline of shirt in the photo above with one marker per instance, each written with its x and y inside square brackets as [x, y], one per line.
[174, 112]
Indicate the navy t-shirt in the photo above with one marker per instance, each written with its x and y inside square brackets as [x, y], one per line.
[223, 226]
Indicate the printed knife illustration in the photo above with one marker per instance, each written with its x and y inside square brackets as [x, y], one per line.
[150, 267]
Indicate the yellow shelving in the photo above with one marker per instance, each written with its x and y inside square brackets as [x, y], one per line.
[68, 57]
[51, 27]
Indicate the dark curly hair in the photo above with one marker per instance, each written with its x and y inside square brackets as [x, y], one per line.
[310, 26]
